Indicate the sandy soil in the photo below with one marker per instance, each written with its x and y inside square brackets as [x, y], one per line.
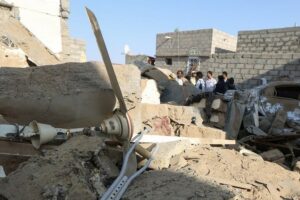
[197, 174]
[82, 169]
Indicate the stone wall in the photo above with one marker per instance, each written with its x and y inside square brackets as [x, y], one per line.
[281, 40]
[177, 63]
[248, 69]
[130, 59]
[183, 43]
[223, 42]
[202, 42]
[73, 50]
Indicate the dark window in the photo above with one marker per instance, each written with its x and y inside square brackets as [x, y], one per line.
[169, 61]
[288, 91]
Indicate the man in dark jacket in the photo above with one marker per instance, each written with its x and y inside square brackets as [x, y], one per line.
[221, 86]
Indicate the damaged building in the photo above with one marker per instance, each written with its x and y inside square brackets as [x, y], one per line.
[71, 129]
[37, 33]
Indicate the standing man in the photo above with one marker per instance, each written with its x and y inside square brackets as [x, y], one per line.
[225, 76]
[210, 83]
[194, 77]
[200, 84]
[179, 77]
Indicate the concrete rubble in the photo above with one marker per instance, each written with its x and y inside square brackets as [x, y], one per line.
[244, 144]
[84, 166]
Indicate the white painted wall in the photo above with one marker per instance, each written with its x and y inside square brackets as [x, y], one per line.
[41, 17]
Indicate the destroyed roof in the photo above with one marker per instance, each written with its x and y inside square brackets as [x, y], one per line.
[24, 39]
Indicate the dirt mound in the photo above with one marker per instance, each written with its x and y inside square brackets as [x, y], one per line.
[217, 173]
[83, 168]
[75, 170]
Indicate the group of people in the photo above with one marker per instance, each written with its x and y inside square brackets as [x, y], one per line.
[209, 84]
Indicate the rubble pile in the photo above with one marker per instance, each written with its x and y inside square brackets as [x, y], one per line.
[197, 156]
[78, 169]
[204, 172]
[264, 119]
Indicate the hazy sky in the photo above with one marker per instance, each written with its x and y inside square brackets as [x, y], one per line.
[136, 22]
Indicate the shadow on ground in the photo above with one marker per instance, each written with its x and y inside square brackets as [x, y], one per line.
[162, 185]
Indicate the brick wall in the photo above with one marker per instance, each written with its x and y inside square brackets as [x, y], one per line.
[282, 40]
[248, 69]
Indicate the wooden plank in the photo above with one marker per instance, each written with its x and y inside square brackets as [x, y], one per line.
[20, 148]
[17, 148]
[163, 139]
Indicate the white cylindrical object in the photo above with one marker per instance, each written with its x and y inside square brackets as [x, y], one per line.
[44, 133]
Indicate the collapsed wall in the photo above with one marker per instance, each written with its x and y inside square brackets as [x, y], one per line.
[44, 40]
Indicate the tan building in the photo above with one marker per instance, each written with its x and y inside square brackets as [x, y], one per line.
[176, 50]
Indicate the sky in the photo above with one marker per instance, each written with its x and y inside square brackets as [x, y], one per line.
[136, 22]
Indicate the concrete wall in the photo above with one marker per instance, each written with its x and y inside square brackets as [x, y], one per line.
[281, 40]
[42, 18]
[5, 11]
[248, 69]
[12, 57]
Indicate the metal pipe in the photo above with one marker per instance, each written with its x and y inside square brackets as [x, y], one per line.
[139, 172]
[124, 167]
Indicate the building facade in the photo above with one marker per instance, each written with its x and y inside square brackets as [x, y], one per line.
[176, 50]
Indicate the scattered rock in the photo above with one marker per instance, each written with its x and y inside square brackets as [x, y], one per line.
[273, 155]
[297, 167]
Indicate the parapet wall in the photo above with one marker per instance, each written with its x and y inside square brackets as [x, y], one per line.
[281, 40]
[248, 69]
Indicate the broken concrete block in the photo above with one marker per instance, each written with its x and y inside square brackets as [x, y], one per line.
[33, 48]
[297, 167]
[202, 132]
[273, 155]
[69, 95]
[178, 161]
[218, 119]
[219, 105]
[2, 172]
[247, 152]
[172, 92]
[251, 117]
[165, 119]
[201, 104]
[279, 121]
[184, 114]
[150, 92]
[2, 120]
[256, 131]
[158, 74]
[166, 151]
[264, 124]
